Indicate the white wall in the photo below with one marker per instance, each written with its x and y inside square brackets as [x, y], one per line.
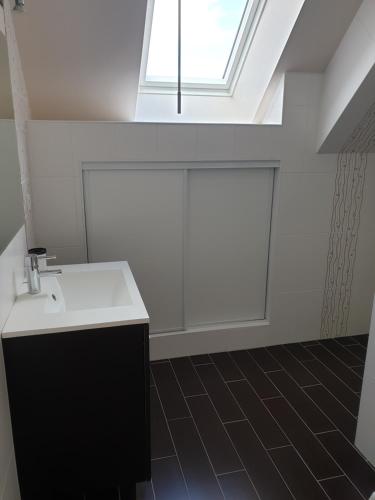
[11, 276]
[12, 259]
[353, 61]
[302, 206]
[365, 437]
[21, 114]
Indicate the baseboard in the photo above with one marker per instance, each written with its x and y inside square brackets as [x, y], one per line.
[219, 338]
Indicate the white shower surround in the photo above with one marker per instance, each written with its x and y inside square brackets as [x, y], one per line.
[302, 206]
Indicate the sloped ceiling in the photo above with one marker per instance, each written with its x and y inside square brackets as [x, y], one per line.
[313, 41]
[81, 58]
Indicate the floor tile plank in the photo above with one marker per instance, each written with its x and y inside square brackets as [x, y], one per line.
[319, 462]
[237, 486]
[258, 380]
[200, 359]
[187, 377]
[161, 442]
[340, 352]
[299, 351]
[259, 465]
[264, 359]
[200, 478]
[213, 434]
[362, 339]
[340, 488]
[354, 466]
[226, 366]
[292, 366]
[302, 404]
[262, 422]
[359, 351]
[359, 370]
[219, 393]
[334, 385]
[346, 340]
[297, 476]
[344, 373]
[342, 419]
[170, 394]
[168, 480]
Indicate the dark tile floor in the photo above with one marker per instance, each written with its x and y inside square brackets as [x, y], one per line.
[272, 424]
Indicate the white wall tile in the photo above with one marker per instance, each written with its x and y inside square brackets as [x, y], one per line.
[300, 262]
[11, 277]
[363, 287]
[95, 141]
[56, 211]
[176, 142]
[258, 142]
[11, 489]
[296, 315]
[305, 203]
[215, 142]
[55, 158]
[68, 255]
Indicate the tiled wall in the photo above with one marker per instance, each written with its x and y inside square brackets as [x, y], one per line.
[22, 114]
[302, 205]
[12, 261]
[11, 274]
[366, 419]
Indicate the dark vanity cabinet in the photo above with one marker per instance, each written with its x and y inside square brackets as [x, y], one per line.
[80, 411]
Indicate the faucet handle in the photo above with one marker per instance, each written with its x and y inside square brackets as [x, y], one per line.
[48, 257]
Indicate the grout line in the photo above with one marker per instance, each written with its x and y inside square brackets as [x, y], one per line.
[334, 355]
[326, 432]
[195, 395]
[286, 369]
[199, 434]
[230, 381]
[279, 447]
[347, 477]
[332, 393]
[230, 472]
[162, 458]
[177, 418]
[172, 440]
[329, 478]
[329, 369]
[311, 385]
[202, 364]
[234, 421]
[271, 371]
[272, 397]
[225, 429]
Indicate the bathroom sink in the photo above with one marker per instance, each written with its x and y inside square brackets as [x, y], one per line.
[84, 296]
[90, 290]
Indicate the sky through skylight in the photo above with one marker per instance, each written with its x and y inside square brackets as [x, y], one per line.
[209, 29]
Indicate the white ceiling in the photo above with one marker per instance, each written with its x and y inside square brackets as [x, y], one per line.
[317, 34]
[81, 59]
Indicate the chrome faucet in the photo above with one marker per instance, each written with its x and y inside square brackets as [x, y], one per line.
[33, 273]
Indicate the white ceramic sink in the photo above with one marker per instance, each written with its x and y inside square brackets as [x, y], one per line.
[90, 290]
[84, 296]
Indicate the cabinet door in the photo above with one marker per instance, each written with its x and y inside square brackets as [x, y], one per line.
[137, 215]
[80, 411]
[229, 216]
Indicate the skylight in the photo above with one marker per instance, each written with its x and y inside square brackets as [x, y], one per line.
[214, 36]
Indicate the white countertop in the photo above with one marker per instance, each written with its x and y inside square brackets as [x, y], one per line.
[47, 311]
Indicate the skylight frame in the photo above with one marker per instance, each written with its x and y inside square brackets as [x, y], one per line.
[244, 37]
